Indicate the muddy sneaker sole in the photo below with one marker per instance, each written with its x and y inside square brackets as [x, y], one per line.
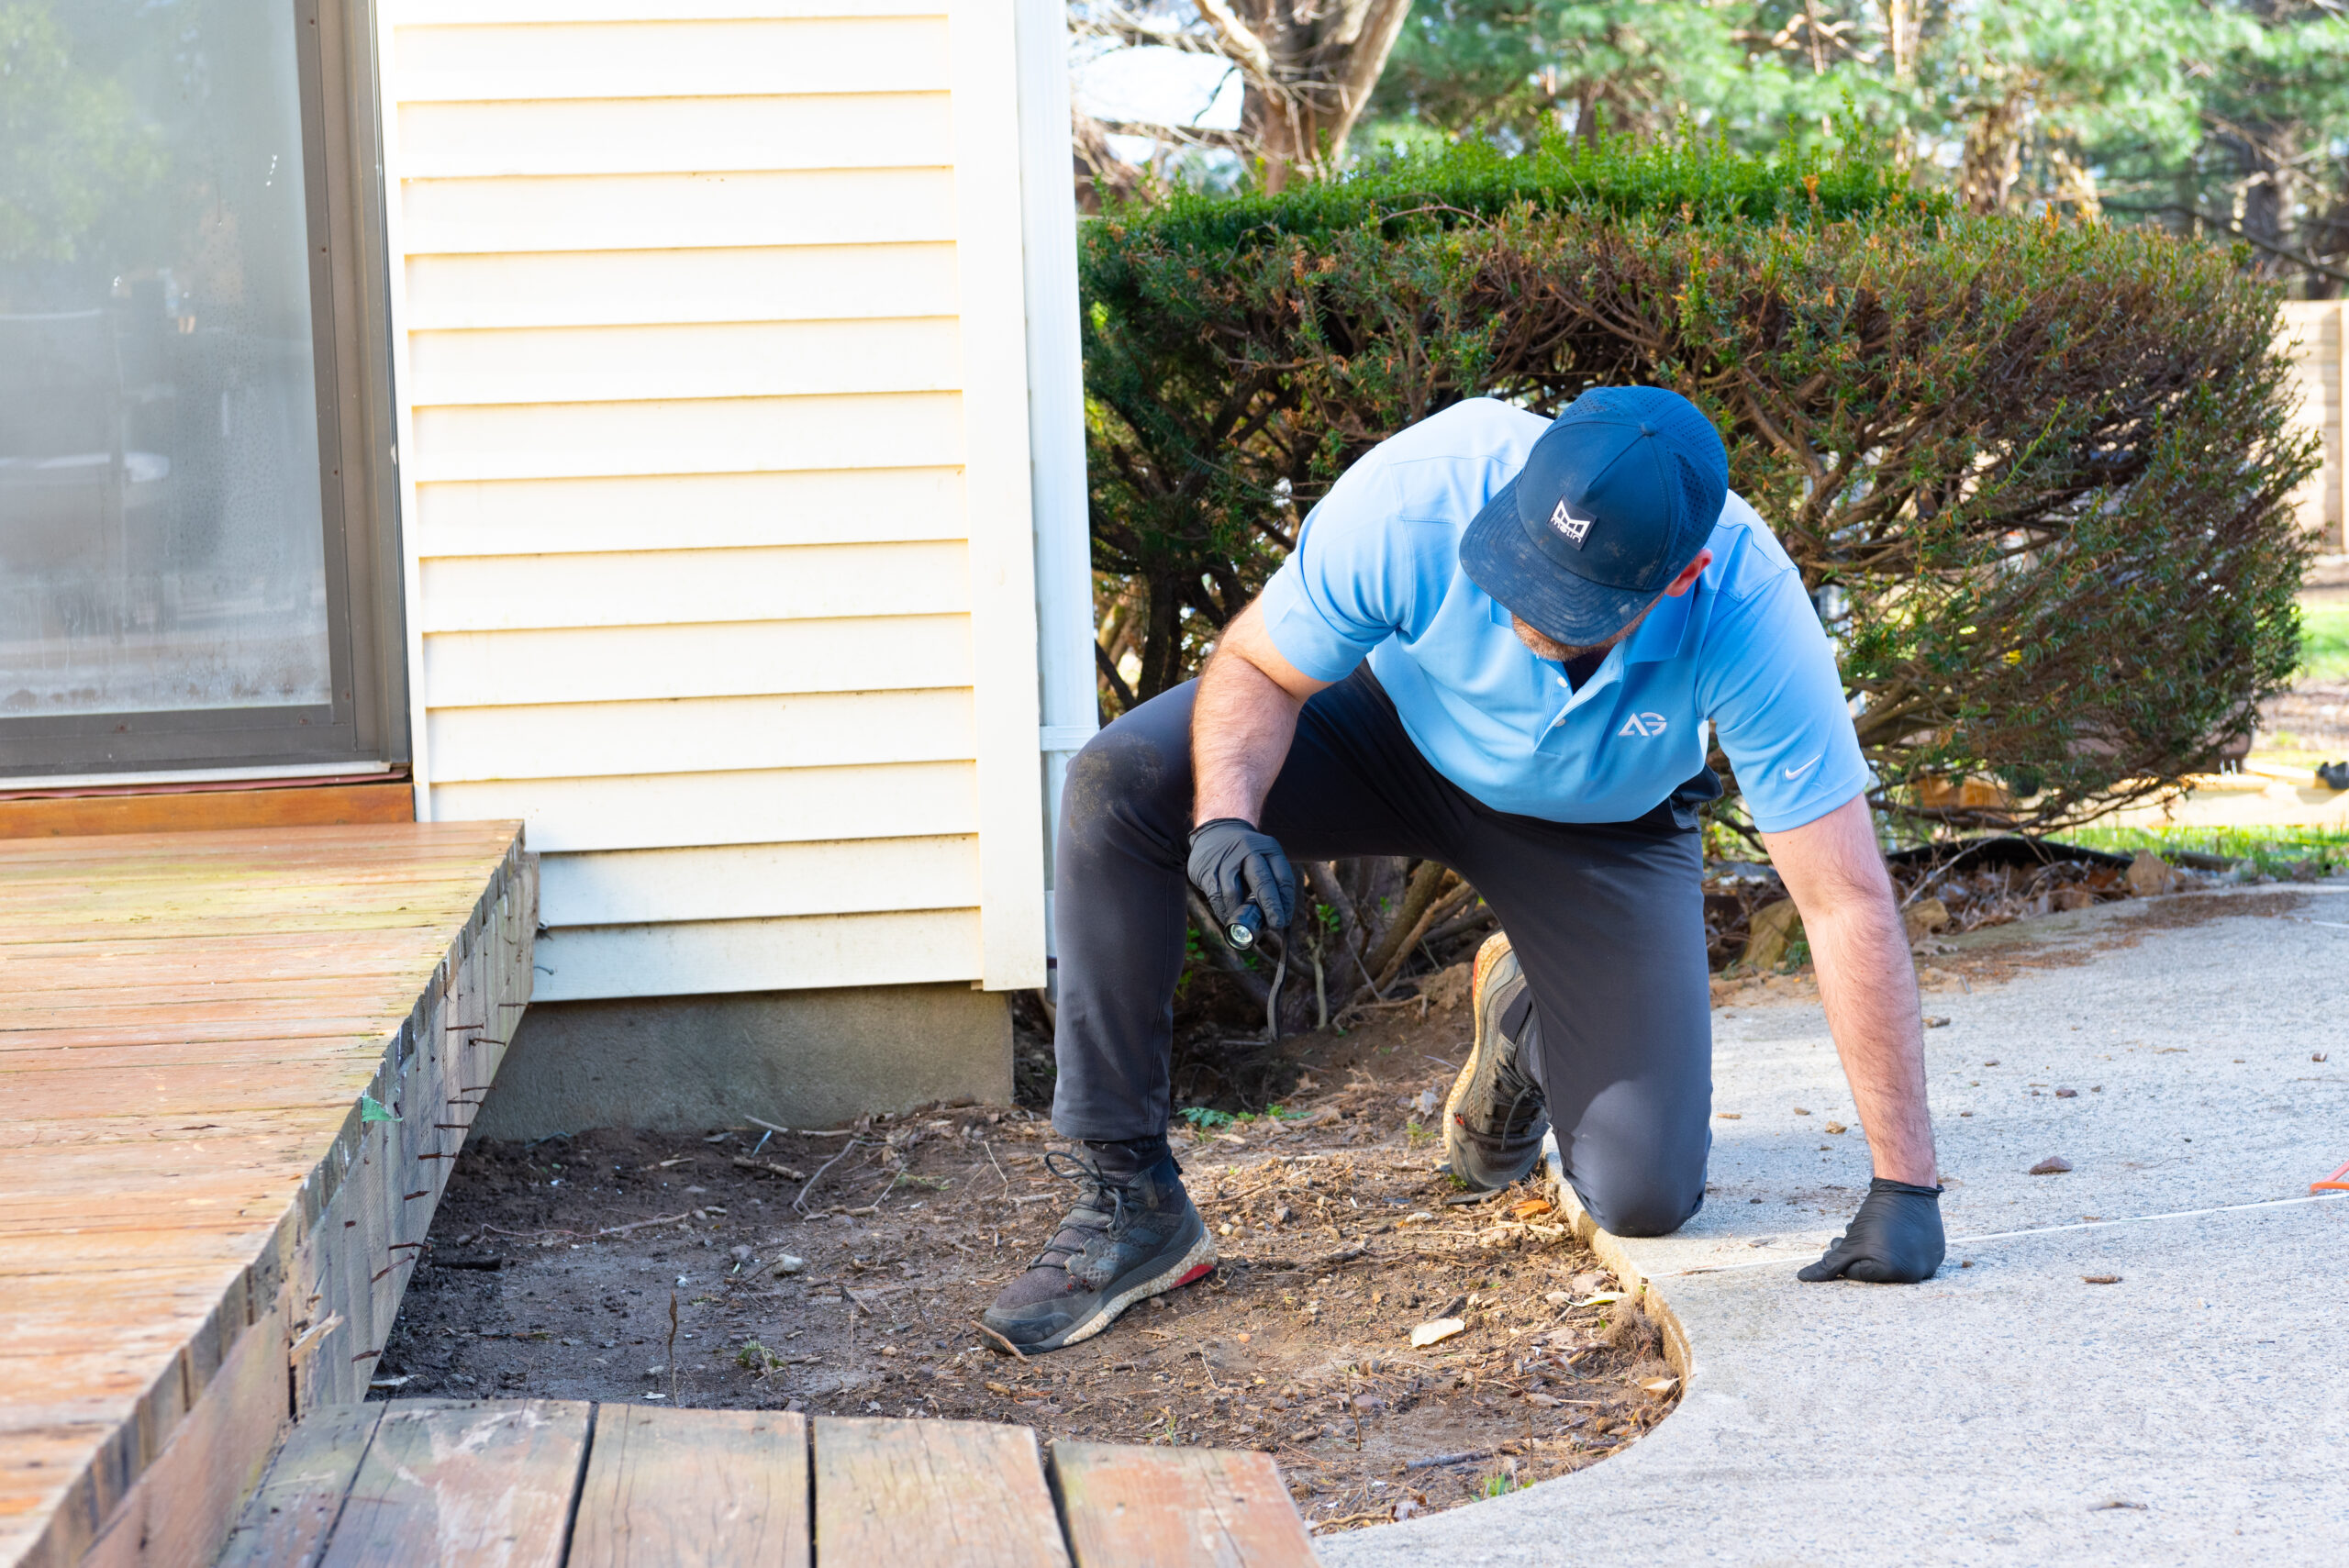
[1489, 958]
[1170, 1270]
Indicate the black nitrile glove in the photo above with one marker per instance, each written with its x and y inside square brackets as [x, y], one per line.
[1896, 1238]
[1234, 865]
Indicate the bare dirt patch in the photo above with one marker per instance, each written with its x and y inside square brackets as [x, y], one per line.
[562, 1269]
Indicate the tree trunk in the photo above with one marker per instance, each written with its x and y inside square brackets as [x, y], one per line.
[1309, 74]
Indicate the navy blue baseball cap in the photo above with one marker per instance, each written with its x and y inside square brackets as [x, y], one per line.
[1616, 499]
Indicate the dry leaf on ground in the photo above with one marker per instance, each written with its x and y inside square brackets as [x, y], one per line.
[1443, 1329]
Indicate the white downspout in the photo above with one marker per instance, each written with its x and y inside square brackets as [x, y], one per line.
[1069, 707]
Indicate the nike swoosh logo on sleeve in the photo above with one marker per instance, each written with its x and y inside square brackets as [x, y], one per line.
[1798, 773]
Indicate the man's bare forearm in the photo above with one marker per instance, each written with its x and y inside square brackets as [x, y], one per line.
[1869, 987]
[1242, 723]
[1242, 720]
[1866, 980]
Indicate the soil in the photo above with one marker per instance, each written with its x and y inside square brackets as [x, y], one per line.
[842, 1273]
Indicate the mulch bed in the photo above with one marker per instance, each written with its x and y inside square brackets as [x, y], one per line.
[842, 1275]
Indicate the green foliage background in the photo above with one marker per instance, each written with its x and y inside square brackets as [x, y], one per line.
[2035, 474]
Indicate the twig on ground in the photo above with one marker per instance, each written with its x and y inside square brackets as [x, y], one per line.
[800, 1203]
[624, 1229]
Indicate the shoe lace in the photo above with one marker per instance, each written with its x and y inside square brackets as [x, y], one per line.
[1098, 1193]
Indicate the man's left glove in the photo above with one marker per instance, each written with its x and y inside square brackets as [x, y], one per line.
[1234, 865]
[1896, 1238]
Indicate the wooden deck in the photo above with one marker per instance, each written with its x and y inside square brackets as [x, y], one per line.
[544, 1483]
[203, 1229]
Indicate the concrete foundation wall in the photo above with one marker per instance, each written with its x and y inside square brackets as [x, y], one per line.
[800, 1058]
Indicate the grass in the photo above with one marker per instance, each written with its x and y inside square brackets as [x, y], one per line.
[2267, 848]
[1209, 1119]
[2324, 642]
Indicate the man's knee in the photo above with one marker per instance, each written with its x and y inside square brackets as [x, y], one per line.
[1641, 1201]
[1123, 774]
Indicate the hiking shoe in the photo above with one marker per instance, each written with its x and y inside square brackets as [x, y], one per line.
[1494, 1120]
[1129, 1237]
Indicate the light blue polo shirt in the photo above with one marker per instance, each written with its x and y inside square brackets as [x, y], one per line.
[1377, 574]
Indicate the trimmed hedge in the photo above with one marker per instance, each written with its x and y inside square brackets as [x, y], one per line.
[2036, 476]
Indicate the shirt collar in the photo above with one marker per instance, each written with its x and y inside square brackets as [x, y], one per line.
[1661, 635]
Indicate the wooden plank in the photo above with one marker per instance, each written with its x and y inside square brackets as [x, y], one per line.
[641, 663]
[888, 129]
[623, 212]
[314, 806]
[754, 881]
[820, 730]
[690, 957]
[1176, 1507]
[654, 811]
[960, 1492]
[423, 11]
[1003, 521]
[531, 516]
[145, 1221]
[817, 581]
[464, 1484]
[626, 287]
[647, 59]
[771, 359]
[178, 1510]
[274, 850]
[286, 1522]
[682, 1488]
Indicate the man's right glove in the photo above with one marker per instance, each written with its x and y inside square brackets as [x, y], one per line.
[1235, 866]
[1896, 1238]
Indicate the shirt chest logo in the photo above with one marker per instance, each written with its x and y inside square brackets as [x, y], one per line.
[1572, 528]
[1643, 724]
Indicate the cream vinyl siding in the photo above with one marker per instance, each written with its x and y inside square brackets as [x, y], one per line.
[708, 328]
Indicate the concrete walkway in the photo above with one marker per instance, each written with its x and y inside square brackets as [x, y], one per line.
[2197, 1411]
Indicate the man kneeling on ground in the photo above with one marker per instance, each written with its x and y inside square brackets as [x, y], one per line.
[1497, 646]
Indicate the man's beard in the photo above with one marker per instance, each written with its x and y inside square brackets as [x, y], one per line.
[1564, 652]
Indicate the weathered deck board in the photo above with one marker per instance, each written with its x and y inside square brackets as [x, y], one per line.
[694, 1489]
[1168, 1507]
[292, 1512]
[477, 1481]
[960, 1492]
[464, 1484]
[196, 1225]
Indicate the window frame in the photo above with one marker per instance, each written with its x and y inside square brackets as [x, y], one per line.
[364, 726]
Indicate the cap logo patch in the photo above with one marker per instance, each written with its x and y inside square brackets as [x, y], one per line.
[1575, 529]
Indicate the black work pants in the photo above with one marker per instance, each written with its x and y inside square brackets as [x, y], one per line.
[1606, 919]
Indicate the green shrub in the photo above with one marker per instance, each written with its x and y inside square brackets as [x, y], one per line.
[2036, 476]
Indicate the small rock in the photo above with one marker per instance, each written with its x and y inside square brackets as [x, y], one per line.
[1925, 916]
[1837, 1127]
[2100, 1278]
[787, 1264]
[1936, 1023]
[1799, 1111]
[1427, 1102]
[1774, 927]
[2054, 1166]
[2067, 1094]
[2150, 876]
[740, 1253]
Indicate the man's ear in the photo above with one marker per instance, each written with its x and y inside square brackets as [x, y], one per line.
[1687, 578]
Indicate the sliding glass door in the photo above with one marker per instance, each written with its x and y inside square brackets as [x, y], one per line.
[192, 528]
